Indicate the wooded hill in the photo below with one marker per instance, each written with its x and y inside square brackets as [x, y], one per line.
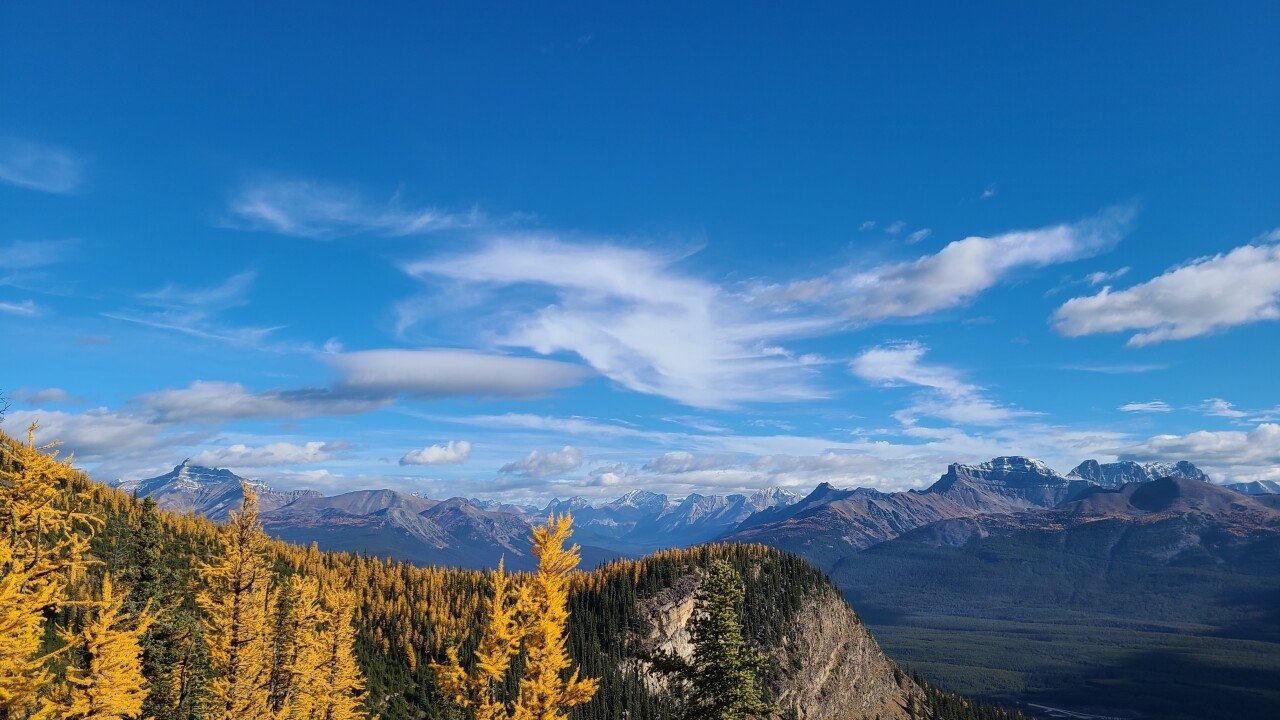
[406, 617]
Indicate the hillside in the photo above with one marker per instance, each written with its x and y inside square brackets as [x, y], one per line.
[825, 665]
[1158, 597]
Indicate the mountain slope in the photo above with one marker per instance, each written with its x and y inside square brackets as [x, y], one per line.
[831, 524]
[1154, 597]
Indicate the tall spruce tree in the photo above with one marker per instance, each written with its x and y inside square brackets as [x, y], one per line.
[719, 682]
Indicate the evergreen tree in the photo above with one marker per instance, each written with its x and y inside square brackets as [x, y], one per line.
[545, 694]
[719, 683]
[109, 684]
[237, 631]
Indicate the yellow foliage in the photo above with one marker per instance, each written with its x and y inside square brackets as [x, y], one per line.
[499, 643]
[235, 603]
[332, 686]
[110, 685]
[545, 694]
[23, 672]
[45, 541]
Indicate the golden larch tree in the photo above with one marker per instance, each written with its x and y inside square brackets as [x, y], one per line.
[45, 544]
[545, 692]
[296, 614]
[500, 640]
[237, 629]
[108, 685]
[24, 673]
[332, 685]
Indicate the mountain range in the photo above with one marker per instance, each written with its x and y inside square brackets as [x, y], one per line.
[459, 531]
[1095, 591]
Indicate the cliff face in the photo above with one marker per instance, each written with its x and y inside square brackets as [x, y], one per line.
[826, 666]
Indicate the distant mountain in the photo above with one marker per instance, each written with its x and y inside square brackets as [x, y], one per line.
[830, 523]
[458, 531]
[642, 521]
[1256, 487]
[1099, 605]
[1117, 474]
[210, 492]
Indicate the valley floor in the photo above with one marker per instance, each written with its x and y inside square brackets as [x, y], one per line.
[1091, 665]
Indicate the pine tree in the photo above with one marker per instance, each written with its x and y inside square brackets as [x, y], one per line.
[235, 604]
[480, 689]
[545, 694]
[109, 684]
[719, 683]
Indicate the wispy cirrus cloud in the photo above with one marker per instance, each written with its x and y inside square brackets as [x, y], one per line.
[39, 166]
[195, 311]
[1152, 406]
[947, 395]
[1205, 296]
[956, 274]
[635, 318]
[303, 208]
[26, 308]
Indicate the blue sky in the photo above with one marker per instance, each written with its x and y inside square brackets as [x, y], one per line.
[485, 249]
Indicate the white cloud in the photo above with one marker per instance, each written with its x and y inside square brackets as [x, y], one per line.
[895, 227]
[280, 453]
[213, 401]
[637, 320]
[868, 225]
[47, 395]
[193, 311]
[918, 235]
[1218, 407]
[948, 397]
[989, 192]
[28, 254]
[957, 273]
[1154, 406]
[683, 461]
[1230, 455]
[26, 308]
[453, 452]
[452, 373]
[39, 167]
[1100, 277]
[95, 434]
[1118, 369]
[315, 210]
[576, 426]
[1205, 296]
[539, 464]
